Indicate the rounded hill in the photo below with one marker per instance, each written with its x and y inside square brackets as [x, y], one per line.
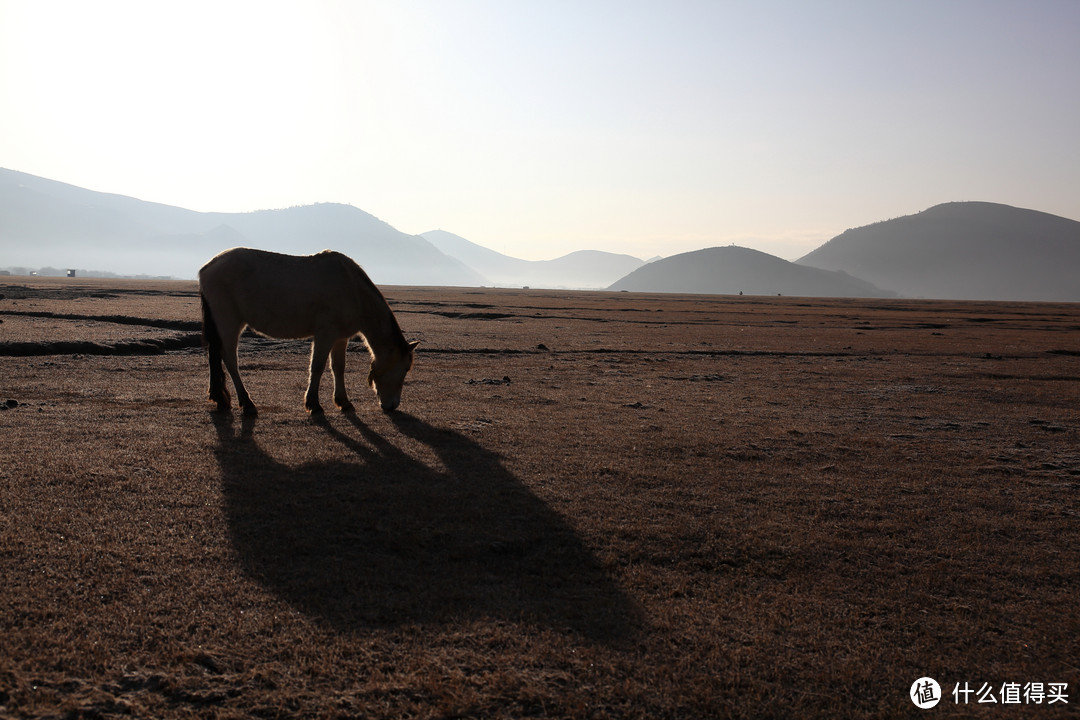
[963, 250]
[733, 270]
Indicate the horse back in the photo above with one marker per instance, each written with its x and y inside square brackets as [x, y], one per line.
[283, 296]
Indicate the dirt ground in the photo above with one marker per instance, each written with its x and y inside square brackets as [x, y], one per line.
[590, 505]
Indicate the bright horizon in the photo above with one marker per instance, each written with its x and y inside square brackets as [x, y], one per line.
[538, 129]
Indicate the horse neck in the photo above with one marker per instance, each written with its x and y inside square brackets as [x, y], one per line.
[379, 326]
[384, 336]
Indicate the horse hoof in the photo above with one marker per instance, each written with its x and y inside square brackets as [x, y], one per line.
[347, 408]
[250, 411]
[315, 409]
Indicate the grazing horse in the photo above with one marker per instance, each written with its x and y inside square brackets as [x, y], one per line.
[326, 297]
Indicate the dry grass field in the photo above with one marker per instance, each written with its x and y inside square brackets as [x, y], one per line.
[591, 505]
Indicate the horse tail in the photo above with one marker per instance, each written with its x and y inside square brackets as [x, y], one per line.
[219, 393]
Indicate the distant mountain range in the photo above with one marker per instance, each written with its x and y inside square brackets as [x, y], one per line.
[962, 250]
[968, 250]
[737, 270]
[48, 223]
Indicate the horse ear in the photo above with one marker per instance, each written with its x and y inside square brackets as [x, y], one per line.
[413, 344]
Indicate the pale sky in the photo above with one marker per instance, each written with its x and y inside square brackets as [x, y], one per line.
[537, 128]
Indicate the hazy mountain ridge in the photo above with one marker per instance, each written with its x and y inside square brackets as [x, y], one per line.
[963, 250]
[48, 223]
[736, 270]
[582, 269]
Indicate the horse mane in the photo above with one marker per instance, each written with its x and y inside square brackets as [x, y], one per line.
[387, 324]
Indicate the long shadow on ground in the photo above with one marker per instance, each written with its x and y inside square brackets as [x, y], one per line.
[385, 540]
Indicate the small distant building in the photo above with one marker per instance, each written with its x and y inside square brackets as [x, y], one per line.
[71, 273]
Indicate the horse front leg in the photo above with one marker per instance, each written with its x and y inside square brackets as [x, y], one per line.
[337, 366]
[320, 348]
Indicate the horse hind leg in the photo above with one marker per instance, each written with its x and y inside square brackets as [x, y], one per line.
[218, 392]
[320, 348]
[232, 365]
[337, 366]
[229, 356]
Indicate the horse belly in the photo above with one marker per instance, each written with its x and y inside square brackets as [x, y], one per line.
[292, 320]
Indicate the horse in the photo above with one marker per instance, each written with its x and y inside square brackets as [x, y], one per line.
[326, 297]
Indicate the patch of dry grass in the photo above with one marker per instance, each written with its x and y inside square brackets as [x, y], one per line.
[676, 507]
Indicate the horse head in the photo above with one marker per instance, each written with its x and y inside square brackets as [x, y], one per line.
[387, 376]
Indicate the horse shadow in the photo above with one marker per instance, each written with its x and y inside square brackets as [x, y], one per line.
[387, 540]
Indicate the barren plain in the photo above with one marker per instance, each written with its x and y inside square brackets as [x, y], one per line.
[590, 505]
